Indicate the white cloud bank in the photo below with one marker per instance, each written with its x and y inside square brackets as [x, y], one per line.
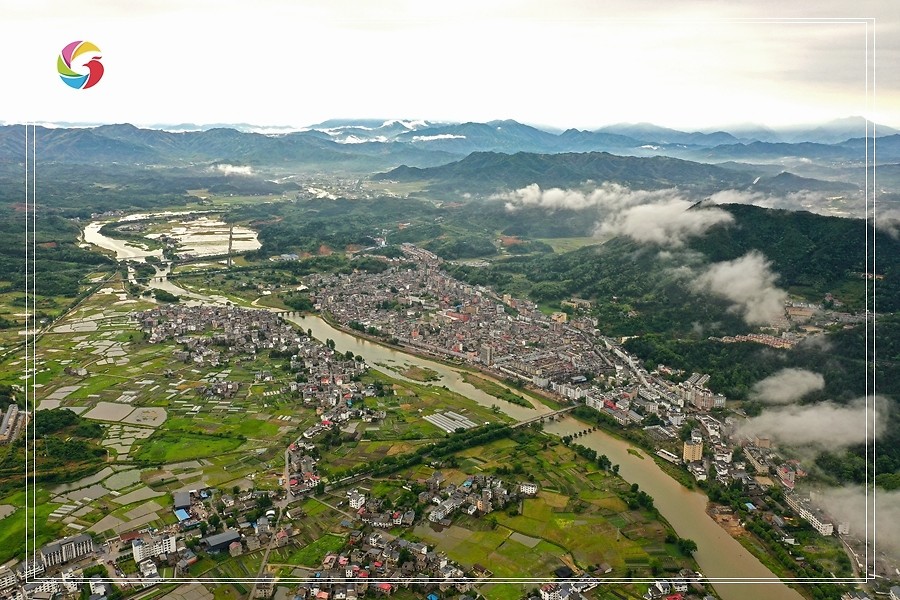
[822, 426]
[749, 284]
[658, 217]
[787, 385]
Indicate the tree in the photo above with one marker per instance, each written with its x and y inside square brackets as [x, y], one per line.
[686, 546]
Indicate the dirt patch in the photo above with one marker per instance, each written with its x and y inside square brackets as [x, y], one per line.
[149, 416]
[109, 411]
[509, 240]
[728, 521]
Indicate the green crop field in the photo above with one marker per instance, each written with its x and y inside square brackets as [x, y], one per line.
[165, 447]
[12, 528]
[312, 555]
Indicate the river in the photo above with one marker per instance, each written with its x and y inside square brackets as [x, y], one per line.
[719, 555]
[448, 376]
[123, 250]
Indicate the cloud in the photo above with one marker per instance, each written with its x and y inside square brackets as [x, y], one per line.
[658, 216]
[888, 221]
[667, 223]
[749, 284]
[847, 204]
[608, 196]
[821, 426]
[787, 385]
[818, 342]
[439, 136]
[234, 169]
[849, 504]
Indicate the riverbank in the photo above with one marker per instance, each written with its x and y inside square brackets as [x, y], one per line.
[721, 558]
[541, 397]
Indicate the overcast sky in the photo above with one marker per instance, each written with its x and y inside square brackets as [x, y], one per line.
[566, 64]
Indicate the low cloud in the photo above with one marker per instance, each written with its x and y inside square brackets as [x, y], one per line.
[647, 216]
[234, 169]
[850, 504]
[848, 204]
[818, 342]
[667, 223]
[440, 136]
[607, 196]
[823, 426]
[787, 385]
[749, 283]
[888, 221]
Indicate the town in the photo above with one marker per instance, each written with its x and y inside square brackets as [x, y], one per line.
[561, 357]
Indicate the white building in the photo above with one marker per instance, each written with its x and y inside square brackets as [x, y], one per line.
[7, 578]
[152, 546]
[357, 501]
[805, 512]
[67, 549]
[526, 487]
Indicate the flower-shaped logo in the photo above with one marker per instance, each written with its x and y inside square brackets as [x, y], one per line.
[68, 67]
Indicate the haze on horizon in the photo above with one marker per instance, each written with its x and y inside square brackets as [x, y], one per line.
[701, 65]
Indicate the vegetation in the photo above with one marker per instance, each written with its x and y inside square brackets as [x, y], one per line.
[65, 447]
[168, 447]
[494, 389]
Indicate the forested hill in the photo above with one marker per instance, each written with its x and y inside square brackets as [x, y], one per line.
[813, 254]
[492, 171]
[638, 290]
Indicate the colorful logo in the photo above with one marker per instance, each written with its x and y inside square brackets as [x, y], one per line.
[66, 60]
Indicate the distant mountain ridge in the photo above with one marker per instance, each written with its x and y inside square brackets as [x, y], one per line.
[376, 145]
[496, 171]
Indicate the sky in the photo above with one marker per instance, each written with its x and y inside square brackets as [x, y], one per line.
[690, 65]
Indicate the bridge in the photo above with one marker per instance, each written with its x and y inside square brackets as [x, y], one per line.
[540, 418]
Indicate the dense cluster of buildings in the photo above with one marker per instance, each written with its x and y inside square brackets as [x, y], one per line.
[237, 331]
[381, 564]
[477, 495]
[428, 310]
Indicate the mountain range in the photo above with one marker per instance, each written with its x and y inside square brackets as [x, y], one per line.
[364, 144]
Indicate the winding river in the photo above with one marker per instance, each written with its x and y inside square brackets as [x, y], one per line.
[739, 575]
[719, 555]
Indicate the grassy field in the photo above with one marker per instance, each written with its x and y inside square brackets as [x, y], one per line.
[495, 389]
[12, 528]
[165, 447]
[572, 243]
[312, 555]
[408, 406]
